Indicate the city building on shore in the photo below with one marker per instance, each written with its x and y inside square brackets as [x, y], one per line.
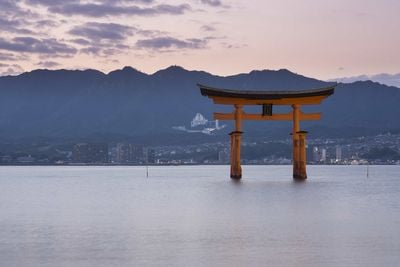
[125, 153]
[92, 153]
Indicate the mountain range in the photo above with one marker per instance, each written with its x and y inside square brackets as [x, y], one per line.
[383, 78]
[127, 103]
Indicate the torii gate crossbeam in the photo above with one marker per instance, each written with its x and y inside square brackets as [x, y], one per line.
[295, 99]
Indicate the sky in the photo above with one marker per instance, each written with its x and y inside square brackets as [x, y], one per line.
[323, 39]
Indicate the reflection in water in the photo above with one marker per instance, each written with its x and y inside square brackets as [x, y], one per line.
[299, 181]
[185, 216]
[237, 181]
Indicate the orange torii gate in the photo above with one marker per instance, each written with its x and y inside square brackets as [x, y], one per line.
[267, 99]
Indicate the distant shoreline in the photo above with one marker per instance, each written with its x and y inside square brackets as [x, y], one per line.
[161, 165]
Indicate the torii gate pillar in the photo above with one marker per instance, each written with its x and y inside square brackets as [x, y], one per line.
[236, 136]
[299, 146]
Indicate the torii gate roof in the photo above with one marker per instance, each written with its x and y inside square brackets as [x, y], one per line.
[229, 96]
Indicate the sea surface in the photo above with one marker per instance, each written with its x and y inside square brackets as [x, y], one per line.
[197, 216]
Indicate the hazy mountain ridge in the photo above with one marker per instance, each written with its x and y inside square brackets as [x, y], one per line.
[64, 103]
[383, 78]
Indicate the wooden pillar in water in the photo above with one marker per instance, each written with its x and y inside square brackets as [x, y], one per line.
[299, 165]
[236, 169]
[302, 172]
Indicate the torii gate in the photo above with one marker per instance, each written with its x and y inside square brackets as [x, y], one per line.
[267, 99]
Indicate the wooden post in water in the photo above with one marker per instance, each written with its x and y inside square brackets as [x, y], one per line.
[236, 169]
[302, 171]
[299, 146]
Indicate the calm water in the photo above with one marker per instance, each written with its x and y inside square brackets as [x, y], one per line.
[196, 216]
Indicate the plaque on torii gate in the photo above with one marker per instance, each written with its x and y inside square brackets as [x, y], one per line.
[267, 99]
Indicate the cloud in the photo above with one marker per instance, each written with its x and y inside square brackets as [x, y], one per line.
[160, 43]
[122, 46]
[104, 51]
[7, 23]
[62, 2]
[13, 26]
[108, 61]
[214, 3]
[147, 2]
[111, 52]
[12, 8]
[48, 64]
[7, 57]
[9, 5]
[91, 50]
[12, 57]
[46, 23]
[33, 45]
[103, 39]
[80, 41]
[233, 46]
[151, 33]
[18, 19]
[13, 69]
[102, 31]
[208, 28]
[50, 2]
[211, 2]
[102, 9]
